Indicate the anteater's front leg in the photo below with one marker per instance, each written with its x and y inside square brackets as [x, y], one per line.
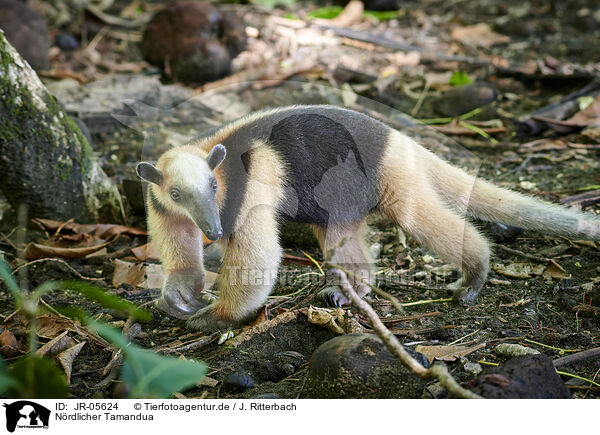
[179, 242]
[247, 275]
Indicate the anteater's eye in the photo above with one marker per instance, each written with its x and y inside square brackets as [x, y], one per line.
[213, 184]
[175, 194]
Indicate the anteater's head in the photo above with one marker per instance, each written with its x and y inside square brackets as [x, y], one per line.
[184, 185]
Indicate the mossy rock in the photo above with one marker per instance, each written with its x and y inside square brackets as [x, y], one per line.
[45, 160]
[358, 366]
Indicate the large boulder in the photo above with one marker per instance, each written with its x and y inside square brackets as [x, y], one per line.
[45, 160]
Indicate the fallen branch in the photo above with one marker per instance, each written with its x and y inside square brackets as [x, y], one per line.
[577, 357]
[190, 345]
[524, 254]
[58, 260]
[437, 371]
[395, 302]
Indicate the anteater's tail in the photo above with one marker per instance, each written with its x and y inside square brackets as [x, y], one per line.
[486, 201]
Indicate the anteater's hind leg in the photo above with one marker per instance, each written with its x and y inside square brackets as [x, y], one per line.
[412, 203]
[345, 246]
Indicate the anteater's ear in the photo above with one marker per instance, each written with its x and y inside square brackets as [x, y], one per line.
[216, 156]
[149, 173]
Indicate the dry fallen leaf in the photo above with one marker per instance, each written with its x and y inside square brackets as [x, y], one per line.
[590, 116]
[479, 35]
[50, 326]
[555, 271]
[334, 319]
[145, 252]
[56, 345]
[35, 251]
[138, 274]
[448, 352]
[9, 346]
[207, 381]
[100, 231]
[327, 317]
[66, 359]
[458, 127]
[519, 270]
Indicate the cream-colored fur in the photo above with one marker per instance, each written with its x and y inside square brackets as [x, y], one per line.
[428, 198]
[253, 254]
[422, 193]
[346, 246]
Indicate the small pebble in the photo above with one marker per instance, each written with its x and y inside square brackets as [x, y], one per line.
[237, 382]
[266, 396]
[511, 349]
[67, 41]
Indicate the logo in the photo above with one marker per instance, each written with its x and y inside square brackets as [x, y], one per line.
[26, 414]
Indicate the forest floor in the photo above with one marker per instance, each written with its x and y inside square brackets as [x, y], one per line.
[543, 291]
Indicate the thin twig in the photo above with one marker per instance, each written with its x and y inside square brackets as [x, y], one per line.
[571, 375]
[426, 301]
[395, 302]
[437, 371]
[195, 344]
[523, 254]
[58, 260]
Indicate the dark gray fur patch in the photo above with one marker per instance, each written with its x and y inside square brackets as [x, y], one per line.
[332, 156]
[156, 205]
[326, 170]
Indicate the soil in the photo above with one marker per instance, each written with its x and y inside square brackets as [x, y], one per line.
[552, 315]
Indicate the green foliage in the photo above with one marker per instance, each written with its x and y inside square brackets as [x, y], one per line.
[96, 294]
[460, 78]
[149, 374]
[328, 12]
[271, 4]
[585, 101]
[146, 373]
[9, 280]
[381, 15]
[6, 380]
[35, 377]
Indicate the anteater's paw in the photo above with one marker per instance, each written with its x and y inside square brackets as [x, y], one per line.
[333, 296]
[465, 296]
[183, 294]
[207, 321]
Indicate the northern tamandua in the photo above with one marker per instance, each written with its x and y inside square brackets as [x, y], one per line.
[329, 167]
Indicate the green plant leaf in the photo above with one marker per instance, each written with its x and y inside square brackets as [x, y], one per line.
[149, 374]
[381, 15]
[6, 380]
[460, 78]
[9, 280]
[328, 12]
[99, 295]
[160, 376]
[35, 377]
[270, 4]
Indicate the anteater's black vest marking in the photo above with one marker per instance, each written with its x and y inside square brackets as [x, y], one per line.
[332, 159]
[158, 207]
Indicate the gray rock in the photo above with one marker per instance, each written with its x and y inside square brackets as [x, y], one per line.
[359, 366]
[45, 160]
[193, 41]
[463, 99]
[523, 377]
[27, 32]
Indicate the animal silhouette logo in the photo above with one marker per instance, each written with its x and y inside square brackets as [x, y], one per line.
[26, 414]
